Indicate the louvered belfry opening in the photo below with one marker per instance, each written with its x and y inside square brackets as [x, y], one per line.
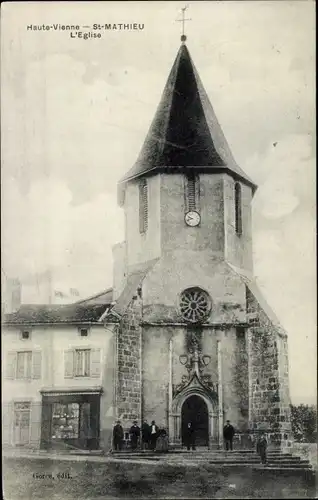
[191, 192]
[238, 208]
[143, 206]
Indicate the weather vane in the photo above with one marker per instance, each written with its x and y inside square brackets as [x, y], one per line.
[183, 20]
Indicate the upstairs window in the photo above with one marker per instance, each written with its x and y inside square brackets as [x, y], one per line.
[24, 365]
[192, 193]
[83, 332]
[82, 362]
[25, 335]
[238, 208]
[143, 206]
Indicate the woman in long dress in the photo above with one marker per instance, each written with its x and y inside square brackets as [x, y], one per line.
[162, 444]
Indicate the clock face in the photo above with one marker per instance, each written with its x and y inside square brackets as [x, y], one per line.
[192, 219]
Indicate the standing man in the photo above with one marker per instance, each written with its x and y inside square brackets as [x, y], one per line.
[190, 436]
[153, 435]
[228, 434]
[134, 435]
[118, 436]
[145, 435]
[261, 447]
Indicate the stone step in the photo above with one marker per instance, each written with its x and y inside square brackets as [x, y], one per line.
[194, 454]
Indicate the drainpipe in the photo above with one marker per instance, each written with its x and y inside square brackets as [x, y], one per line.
[220, 393]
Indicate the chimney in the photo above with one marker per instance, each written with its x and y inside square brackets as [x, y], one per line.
[12, 296]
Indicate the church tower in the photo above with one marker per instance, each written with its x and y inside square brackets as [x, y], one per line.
[196, 340]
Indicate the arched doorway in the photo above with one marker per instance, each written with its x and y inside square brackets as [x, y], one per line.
[195, 410]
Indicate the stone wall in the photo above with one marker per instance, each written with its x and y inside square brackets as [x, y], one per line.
[240, 379]
[156, 374]
[128, 391]
[268, 391]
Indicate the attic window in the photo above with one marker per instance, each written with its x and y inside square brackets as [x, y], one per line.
[25, 334]
[192, 193]
[143, 206]
[83, 332]
[238, 208]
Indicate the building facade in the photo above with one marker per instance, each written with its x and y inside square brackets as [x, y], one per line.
[185, 334]
[58, 374]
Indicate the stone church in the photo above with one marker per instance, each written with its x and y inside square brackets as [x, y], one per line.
[195, 338]
[184, 334]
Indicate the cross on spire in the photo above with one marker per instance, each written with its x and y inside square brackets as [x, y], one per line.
[183, 21]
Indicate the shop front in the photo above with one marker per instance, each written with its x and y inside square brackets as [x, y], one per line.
[70, 419]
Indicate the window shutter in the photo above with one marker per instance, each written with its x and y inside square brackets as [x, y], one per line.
[28, 358]
[37, 365]
[191, 193]
[11, 365]
[143, 206]
[238, 208]
[68, 363]
[145, 202]
[35, 433]
[95, 368]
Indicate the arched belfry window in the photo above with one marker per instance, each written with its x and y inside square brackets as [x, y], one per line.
[192, 193]
[238, 208]
[143, 206]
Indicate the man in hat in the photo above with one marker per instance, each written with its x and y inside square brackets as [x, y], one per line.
[134, 435]
[228, 434]
[153, 435]
[189, 436]
[261, 447]
[118, 436]
[145, 435]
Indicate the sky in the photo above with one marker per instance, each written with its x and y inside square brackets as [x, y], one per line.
[75, 114]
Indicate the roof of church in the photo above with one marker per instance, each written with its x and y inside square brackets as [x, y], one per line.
[85, 311]
[253, 287]
[185, 133]
[134, 280]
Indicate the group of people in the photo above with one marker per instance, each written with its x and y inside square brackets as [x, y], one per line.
[151, 437]
[148, 437]
[261, 442]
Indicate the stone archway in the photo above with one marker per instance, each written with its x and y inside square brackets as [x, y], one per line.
[209, 398]
[195, 410]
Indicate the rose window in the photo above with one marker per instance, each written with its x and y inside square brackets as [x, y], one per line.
[195, 305]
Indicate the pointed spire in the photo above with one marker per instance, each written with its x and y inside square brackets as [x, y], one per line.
[185, 133]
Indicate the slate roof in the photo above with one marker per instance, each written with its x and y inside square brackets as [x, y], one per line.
[134, 280]
[43, 313]
[104, 297]
[253, 287]
[185, 133]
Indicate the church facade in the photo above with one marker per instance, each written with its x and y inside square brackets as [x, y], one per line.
[184, 334]
[195, 338]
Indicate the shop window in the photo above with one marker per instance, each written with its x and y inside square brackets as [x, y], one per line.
[65, 421]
